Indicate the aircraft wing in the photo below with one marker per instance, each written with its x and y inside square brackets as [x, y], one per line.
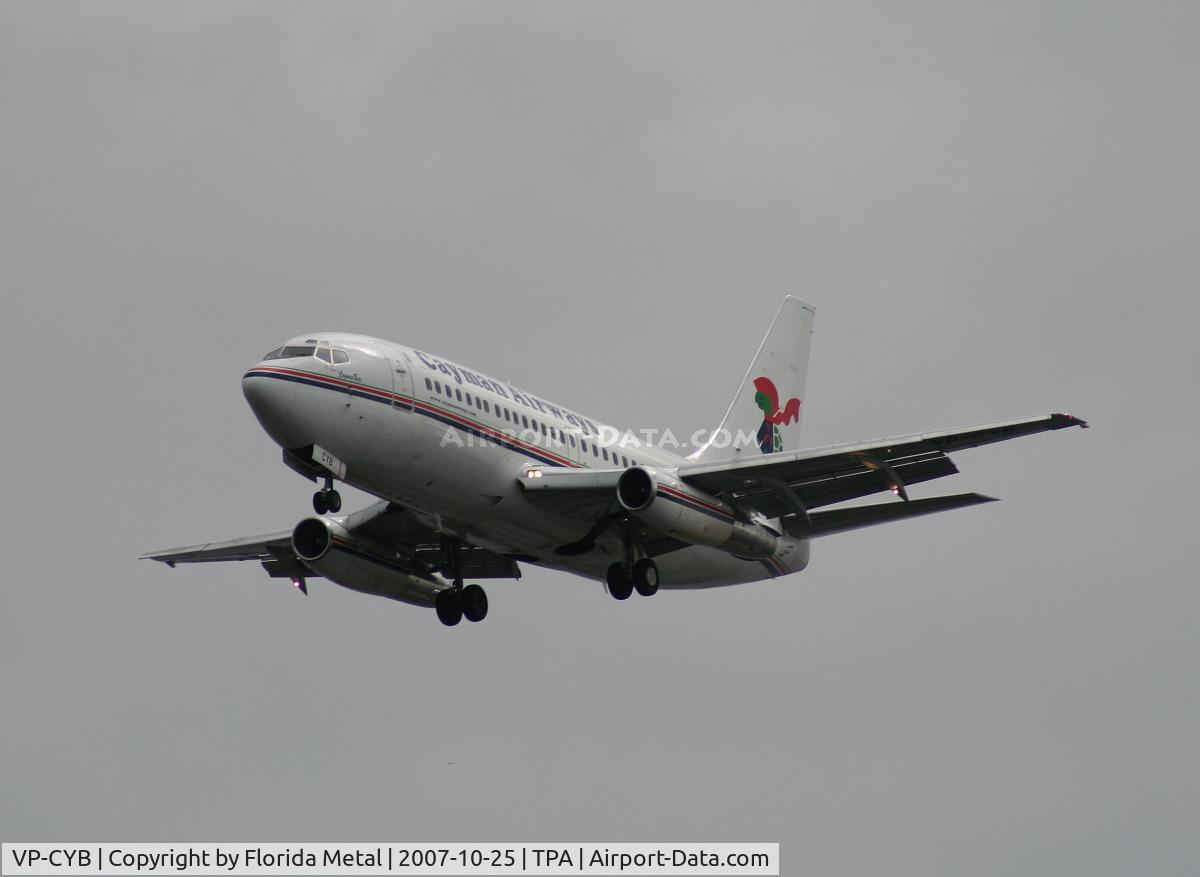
[243, 548]
[383, 524]
[787, 483]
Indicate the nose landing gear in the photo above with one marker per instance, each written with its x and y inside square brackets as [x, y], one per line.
[327, 499]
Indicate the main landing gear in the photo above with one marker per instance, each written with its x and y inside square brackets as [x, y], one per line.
[327, 499]
[458, 602]
[628, 575]
[641, 576]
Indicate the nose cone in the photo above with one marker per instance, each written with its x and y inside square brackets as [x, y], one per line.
[271, 399]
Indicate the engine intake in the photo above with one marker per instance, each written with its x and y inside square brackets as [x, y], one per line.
[311, 539]
[636, 488]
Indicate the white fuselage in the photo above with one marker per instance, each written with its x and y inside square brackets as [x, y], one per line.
[450, 445]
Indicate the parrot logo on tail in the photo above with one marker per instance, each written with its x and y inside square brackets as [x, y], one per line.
[766, 397]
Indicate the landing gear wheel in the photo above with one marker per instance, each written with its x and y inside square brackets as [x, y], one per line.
[645, 577]
[327, 500]
[620, 584]
[474, 603]
[449, 607]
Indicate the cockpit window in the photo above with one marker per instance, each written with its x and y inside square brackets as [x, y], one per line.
[321, 351]
[290, 352]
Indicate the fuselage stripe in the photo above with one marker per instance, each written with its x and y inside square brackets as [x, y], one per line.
[448, 417]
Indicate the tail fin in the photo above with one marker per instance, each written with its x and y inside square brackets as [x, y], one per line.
[764, 415]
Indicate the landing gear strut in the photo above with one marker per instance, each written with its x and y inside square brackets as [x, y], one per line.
[629, 574]
[327, 499]
[457, 602]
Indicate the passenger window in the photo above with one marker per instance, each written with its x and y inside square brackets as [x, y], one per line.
[525, 421]
[624, 461]
[506, 417]
[542, 427]
[595, 451]
[340, 357]
[486, 409]
[605, 453]
[570, 440]
[438, 384]
[583, 445]
[459, 394]
[468, 398]
[428, 384]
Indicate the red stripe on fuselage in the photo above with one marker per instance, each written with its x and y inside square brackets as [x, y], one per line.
[416, 403]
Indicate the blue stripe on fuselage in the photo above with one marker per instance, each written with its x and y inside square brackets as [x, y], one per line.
[408, 405]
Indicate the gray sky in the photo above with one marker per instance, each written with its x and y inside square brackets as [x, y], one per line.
[994, 208]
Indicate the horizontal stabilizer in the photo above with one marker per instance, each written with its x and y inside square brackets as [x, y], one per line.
[841, 520]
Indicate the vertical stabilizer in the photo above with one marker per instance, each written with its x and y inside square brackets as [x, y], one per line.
[764, 416]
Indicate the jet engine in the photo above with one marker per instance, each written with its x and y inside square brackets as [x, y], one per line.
[683, 512]
[353, 562]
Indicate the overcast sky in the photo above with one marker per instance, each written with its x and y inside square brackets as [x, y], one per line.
[994, 208]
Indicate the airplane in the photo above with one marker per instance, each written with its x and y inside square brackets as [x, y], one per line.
[476, 476]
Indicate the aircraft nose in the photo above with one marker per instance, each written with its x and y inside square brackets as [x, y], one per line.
[271, 400]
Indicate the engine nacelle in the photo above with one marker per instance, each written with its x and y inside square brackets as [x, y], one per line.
[688, 514]
[359, 564]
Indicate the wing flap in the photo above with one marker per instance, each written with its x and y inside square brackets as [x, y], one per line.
[841, 520]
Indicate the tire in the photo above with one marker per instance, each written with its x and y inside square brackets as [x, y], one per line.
[645, 577]
[334, 501]
[474, 603]
[320, 502]
[449, 607]
[619, 584]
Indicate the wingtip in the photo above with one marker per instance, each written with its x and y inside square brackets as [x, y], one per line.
[1064, 420]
